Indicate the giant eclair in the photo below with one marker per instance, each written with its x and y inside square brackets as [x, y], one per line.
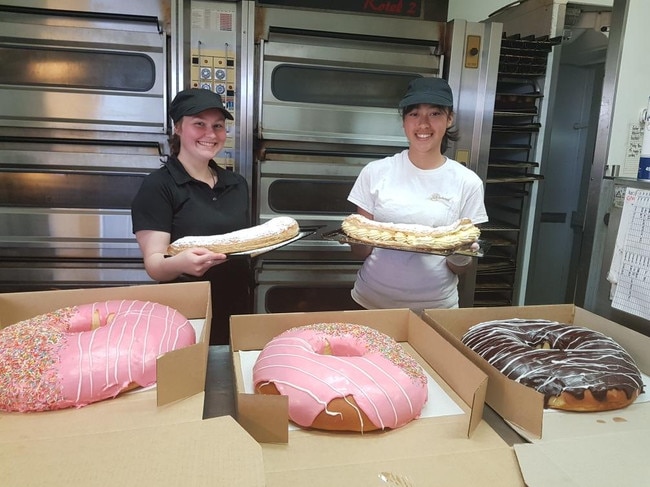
[411, 236]
[274, 231]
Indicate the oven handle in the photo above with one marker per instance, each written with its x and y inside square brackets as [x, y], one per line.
[260, 86]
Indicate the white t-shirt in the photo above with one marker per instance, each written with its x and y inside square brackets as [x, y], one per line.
[395, 190]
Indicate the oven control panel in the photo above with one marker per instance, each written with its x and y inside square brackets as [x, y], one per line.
[213, 61]
[213, 70]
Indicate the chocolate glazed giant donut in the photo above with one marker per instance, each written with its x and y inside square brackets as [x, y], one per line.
[342, 377]
[577, 369]
[78, 355]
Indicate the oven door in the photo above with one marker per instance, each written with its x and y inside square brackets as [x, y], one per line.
[65, 219]
[83, 91]
[82, 70]
[333, 87]
[288, 287]
[313, 189]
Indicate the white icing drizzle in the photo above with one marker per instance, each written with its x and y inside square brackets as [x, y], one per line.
[169, 343]
[270, 228]
[294, 370]
[579, 358]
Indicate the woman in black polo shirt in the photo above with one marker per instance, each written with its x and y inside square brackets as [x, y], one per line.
[191, 195]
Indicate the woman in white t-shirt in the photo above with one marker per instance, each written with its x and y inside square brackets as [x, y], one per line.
[418, 185]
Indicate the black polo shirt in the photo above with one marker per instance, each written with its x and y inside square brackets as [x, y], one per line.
[171, 201]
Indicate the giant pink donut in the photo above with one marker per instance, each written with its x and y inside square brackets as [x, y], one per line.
[82, 354]
[342, 376]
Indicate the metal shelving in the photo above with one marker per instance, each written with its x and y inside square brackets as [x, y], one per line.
[511, 168]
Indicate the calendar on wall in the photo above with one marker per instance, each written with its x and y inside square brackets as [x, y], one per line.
[630, 269]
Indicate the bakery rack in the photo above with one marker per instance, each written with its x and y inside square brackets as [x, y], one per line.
[511, 168]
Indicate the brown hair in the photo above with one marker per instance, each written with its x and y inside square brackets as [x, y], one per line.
[174, 145]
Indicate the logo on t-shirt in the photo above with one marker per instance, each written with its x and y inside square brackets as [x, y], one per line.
[439, 197]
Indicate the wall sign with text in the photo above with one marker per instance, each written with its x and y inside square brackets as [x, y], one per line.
[404, 8]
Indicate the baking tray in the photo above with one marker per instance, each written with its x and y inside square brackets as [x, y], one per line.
[263, 250]
[340, 236]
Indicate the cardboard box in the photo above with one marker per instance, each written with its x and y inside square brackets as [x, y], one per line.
[150, 437]
[204, 453]
[571, 449]
[522, 406]
[447, 450]
[603, 460]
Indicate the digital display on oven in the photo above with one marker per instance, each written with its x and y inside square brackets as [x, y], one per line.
[404, 8]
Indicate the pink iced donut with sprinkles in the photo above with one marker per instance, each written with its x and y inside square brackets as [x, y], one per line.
[342, 377]
[82, 354]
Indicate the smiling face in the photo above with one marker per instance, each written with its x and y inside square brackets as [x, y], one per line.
[202, 135]
[425, 126]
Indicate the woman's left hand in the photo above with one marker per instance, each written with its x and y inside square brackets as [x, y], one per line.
[458, 263]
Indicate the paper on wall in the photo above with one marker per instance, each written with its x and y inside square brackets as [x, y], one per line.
[630, 268]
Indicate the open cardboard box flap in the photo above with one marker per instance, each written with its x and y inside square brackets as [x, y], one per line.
[430, 453]
[191, 454]
[425, 451]
[146, 437]
[127, 412]
[609, 459]
[266, 418]
[494, 467]
[522, 406]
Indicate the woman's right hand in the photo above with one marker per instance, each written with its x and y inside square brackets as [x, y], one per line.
[196, 261]
[161, 267]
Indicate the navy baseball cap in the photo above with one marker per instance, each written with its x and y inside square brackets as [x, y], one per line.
[195, 100]
[434, 91]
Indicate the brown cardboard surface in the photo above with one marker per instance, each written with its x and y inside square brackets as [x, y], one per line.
[268, 418]
[488, 467]
[422, 455]
[252, 332]
[448, 450]
[188, 454]
[128, 412]
[522, 406]
[146, 437]
[610, 459]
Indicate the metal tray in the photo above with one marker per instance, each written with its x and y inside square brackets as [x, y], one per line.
[269, 248]
[340, 236]
[255, 252]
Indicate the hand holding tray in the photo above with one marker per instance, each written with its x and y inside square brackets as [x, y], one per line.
[263, 250]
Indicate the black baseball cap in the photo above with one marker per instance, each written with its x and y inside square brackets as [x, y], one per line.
[434, 91]
[195, 100]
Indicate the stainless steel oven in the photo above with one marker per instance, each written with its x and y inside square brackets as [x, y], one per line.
[295, 286]
[83, 90]
[334, 79]
[328, 78]
[83, 70]
[312, 188]
[326, 87]
[312, 274]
